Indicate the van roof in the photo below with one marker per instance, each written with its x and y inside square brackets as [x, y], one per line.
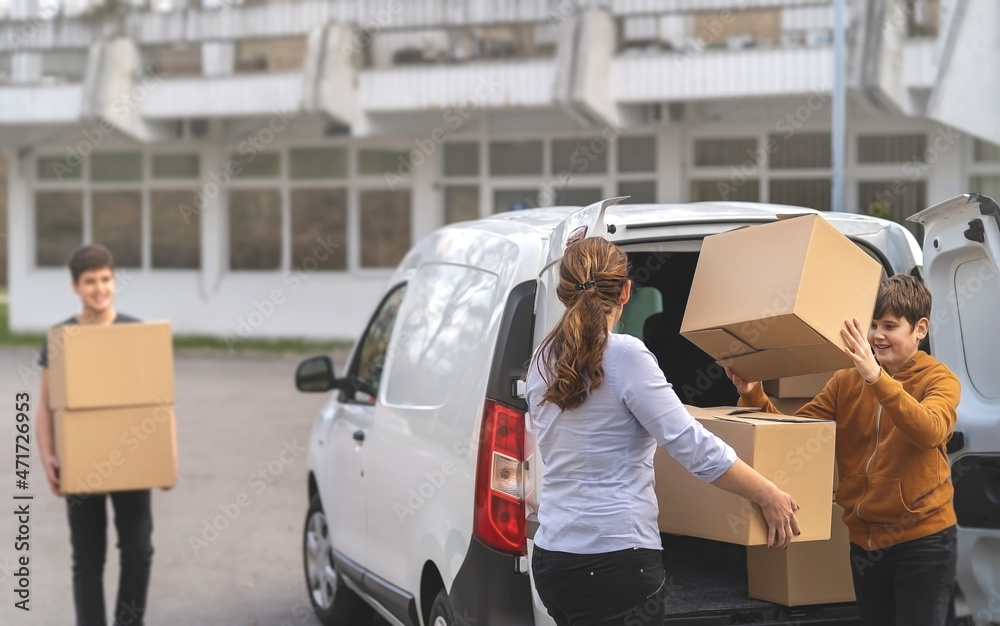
[544, 220]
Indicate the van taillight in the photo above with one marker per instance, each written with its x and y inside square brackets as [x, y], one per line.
[500, 480]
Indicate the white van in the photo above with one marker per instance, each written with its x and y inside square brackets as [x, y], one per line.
[423, 479]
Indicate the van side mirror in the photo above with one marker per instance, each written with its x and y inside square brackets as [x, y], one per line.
[315, 374]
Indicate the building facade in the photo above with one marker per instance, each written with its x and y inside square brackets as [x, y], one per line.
[258, 170]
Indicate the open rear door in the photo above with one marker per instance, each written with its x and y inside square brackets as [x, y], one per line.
[961, 261]
[587, 222]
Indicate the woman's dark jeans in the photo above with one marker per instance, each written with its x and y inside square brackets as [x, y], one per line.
[908, 584]
[88, 521]
[619, 588]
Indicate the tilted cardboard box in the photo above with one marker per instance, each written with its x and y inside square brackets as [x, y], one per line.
[794, 453]
[114, 365]
[770, 301]
[816, 572]
[116, 449]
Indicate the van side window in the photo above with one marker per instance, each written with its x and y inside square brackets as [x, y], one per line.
[366, 370]
[444, 346]
[977, 294]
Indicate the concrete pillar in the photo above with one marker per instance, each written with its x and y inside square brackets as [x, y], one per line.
[26, 67]
[21, 237]
[214, 251]
[671, 183]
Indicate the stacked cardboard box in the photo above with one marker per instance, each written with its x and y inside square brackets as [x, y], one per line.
[111, 389]
[790, 394]
[770, 301]
[796, 454]
[816, 572]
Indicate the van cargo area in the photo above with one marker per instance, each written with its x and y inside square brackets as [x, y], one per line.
[706, 580]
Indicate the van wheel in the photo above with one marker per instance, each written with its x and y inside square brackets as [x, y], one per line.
[332, 601]
[441, 614]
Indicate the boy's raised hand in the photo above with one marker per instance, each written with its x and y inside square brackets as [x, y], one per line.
[742, 386]
[860, 351]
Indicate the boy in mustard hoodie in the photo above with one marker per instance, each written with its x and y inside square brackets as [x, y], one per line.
[895, 412]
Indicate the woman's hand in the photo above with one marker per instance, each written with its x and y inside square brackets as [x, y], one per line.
[860, 351]
[742, 386]
[776, 505]
[779, 513]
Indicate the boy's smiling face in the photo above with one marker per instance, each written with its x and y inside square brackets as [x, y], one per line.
[96, 289]
[895, 340]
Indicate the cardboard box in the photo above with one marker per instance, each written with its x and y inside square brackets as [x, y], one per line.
[770, 301]
[816, 572]
[116, 449]
[805, 386]
[788, 406]
[794, 453]
[115, 365]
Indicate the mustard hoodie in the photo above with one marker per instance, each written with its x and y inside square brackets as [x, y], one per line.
[895, 481]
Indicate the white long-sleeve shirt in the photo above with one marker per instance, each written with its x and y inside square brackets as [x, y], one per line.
[597, 488]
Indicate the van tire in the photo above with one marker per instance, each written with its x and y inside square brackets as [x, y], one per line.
[441, 613]
[334, 603]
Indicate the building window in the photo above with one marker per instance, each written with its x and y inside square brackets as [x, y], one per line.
[514, 199]
[176, 230]
[812, 193]
[317, 163]
[254, 229]
[744, 190]
[580, 156]
[722, 152]
[742, 29]
[58, 226]
[895, 200]
[639, 192]
[380, 161]
[176, 166]
[116, 167]
[580, 197]
[270, 55]
[385, 227]
[256, 165]
[891, 148]
[59, 168]
[319, 229]
[986, 185]
[800, 151]
[461, 203]
[461, 159]
[515, 158]
[636, 154]
[986, 152]
[117, 224]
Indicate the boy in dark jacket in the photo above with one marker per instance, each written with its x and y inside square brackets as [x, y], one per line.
[94, 282]
[895, 412]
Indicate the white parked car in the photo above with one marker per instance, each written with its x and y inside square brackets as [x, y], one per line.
[423, 478]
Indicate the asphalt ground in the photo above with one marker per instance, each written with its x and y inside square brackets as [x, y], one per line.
[237, 416]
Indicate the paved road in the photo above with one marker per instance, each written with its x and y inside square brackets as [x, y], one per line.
[236, 414]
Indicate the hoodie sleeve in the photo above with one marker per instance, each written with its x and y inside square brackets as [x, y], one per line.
[926, 423]
[823, 406]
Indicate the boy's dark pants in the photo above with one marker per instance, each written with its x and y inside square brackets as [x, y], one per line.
[909, 584]
[88, 534]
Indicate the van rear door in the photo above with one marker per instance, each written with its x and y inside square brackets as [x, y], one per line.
[961, 260]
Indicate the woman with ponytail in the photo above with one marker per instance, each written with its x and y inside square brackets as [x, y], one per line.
[600, 406]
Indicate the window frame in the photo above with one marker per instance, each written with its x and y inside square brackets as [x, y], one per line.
[349, 396]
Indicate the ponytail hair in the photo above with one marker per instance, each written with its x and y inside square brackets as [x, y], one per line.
[592, 275]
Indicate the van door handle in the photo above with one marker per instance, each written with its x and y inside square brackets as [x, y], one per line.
[359, 435]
